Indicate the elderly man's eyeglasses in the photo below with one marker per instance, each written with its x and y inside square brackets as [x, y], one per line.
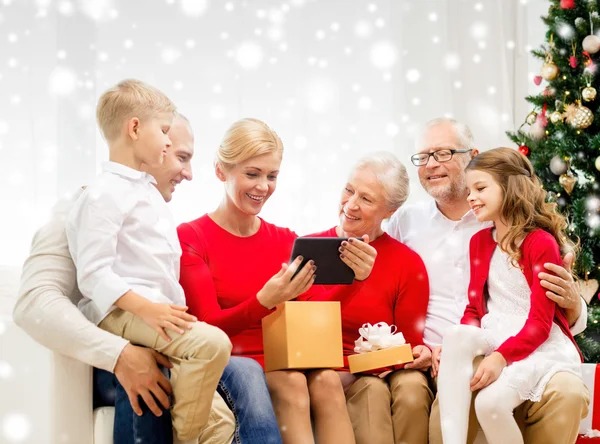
[440, 156]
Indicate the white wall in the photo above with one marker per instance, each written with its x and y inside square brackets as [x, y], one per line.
[336, 79]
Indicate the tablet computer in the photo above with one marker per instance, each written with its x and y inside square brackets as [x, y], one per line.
[331, 270]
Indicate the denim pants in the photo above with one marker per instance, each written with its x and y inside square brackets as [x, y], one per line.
[242, 386]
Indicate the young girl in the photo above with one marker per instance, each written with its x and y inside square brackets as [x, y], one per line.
[523, 334]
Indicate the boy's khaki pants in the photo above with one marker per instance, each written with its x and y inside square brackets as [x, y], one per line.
[198, 357]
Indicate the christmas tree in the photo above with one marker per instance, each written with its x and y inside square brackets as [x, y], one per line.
[561, 137]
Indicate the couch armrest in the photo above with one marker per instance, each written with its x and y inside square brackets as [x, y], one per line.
[47, 396]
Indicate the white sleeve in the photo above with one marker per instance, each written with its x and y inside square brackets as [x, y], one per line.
[393, 228]
[580, 325]
[45, 311]
[93, 228]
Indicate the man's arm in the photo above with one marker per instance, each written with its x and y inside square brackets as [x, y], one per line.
[45, 312]
[564, 290]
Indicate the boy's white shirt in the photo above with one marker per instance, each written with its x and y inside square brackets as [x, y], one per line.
[48, 296]
[122, 237]
[443, 245]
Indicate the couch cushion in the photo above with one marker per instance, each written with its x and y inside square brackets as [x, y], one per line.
[104, 418]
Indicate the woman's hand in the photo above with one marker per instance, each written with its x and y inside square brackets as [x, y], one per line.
[282, 287]
[488, 371]
[162, 317]
[359, 256]
[436, 354]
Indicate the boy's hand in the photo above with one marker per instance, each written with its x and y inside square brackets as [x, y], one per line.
[489, 370]
[166, 316]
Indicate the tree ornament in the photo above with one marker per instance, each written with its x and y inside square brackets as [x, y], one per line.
[556, 117]
[549, 69]
[524, 149]
[537, 80]
[578, 116]
[567, 4]
[573, 58]
[567, 181]
[591, 44]
[537, 131]
[531, 117]
[597, 163]
[589, 93]
[558, 166]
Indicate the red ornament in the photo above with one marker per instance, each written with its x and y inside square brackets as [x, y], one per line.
[523, 149]
[567, 4]
[537, 80]
[573, 61]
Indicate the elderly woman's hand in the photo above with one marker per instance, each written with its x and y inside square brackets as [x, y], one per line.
[359, 256]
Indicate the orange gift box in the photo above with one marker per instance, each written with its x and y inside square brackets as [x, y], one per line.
[303, 335]
[387, 357]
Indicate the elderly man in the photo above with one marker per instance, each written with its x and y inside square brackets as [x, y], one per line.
[440, 230]
[124, 372]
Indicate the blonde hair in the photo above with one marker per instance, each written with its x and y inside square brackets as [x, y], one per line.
[524, 207]
[247, 138]
[129, 98]
[390, 173]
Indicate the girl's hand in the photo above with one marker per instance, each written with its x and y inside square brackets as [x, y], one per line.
[282, 287]
[359, 256]
[162, 317]
[436, 355]
[489, 370]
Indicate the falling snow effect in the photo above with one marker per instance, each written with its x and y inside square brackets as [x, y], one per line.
[334, 86]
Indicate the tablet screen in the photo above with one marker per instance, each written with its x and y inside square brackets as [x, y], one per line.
[331, 270]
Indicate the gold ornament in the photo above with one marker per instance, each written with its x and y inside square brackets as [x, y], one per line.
[531, 117]
[578, 116]
[567, 181]
[549, 70]
[597, 163]
[591, 44]
[556, 117]
[588, 93]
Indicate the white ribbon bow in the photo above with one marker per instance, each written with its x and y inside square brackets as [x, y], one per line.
[377, 337]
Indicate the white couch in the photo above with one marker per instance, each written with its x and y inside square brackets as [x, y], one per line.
[46, 397]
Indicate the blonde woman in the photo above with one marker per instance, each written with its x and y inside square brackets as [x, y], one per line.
[234, 272]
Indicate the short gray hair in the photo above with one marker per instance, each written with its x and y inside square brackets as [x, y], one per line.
[462, 131]
[390, 173]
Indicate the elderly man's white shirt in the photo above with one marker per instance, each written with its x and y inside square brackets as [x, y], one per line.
[122, 237]
[443, 244]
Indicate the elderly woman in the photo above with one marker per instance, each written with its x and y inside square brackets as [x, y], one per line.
[233, 276]
[397, 292]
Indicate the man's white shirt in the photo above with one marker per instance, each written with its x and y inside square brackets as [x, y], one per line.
[122, 237]
[443, 244]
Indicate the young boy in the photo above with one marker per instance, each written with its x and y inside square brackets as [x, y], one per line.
[124, 244]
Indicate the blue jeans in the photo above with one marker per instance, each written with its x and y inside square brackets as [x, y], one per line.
[244, 389]
[130, 428]
[242, 386]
